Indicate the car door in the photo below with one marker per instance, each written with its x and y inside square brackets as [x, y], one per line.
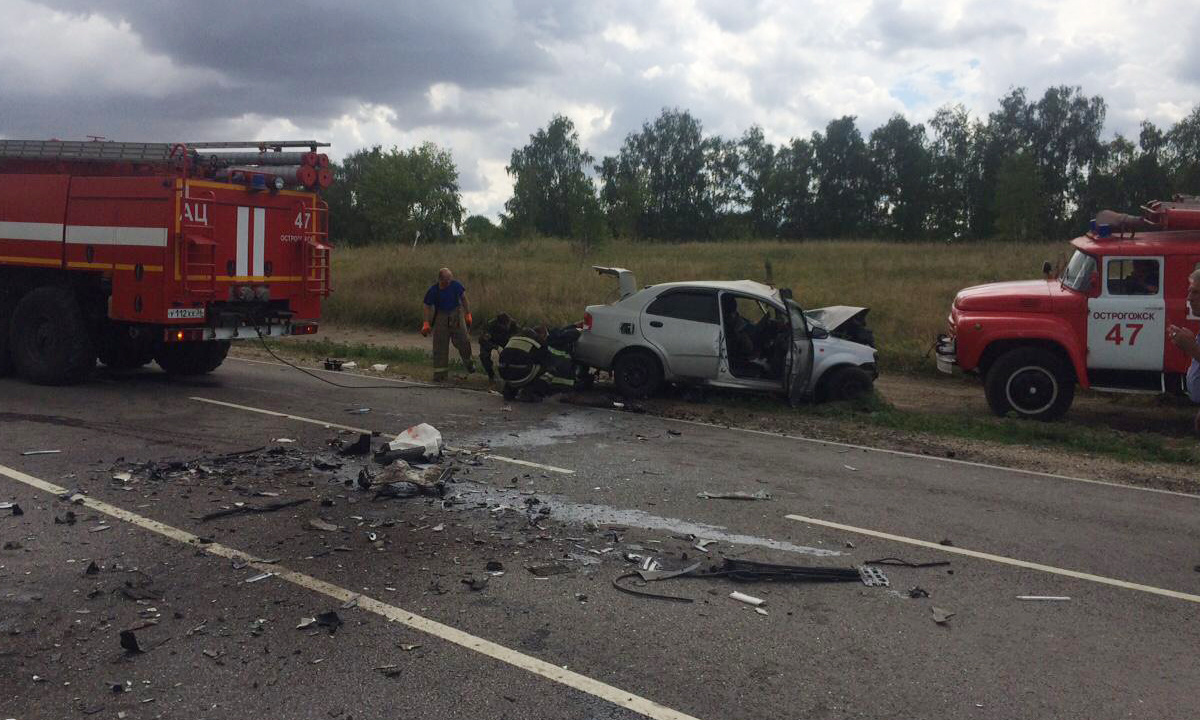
[685, 325]
[798, 375]
[1127, 321]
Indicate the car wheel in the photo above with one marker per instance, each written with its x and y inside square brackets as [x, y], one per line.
[637, 374]
[1031, 382]
[49, 339]
[847, 383]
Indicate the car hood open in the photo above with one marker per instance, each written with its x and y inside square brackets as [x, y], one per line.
[834, 316]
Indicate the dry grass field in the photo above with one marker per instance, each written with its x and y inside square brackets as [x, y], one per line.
[907, 286]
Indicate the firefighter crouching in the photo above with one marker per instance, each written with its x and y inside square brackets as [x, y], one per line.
[531, 369]
[496, 335]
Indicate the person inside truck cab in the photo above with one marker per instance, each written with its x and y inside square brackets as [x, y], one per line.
[1185, 340]
[1143, 280]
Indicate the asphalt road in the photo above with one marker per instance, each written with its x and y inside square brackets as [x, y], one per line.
[417, 641]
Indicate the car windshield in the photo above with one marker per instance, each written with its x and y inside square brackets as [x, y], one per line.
[1078, 273]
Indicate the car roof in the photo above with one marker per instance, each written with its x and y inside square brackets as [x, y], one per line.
[1163, 242]
[749, 287]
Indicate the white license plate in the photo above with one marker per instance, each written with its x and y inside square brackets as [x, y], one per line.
[185, 313]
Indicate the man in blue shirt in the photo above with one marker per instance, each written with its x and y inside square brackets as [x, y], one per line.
[1185, 340]
[446, 309]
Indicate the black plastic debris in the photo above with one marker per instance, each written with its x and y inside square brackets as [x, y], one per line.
[752, 571]
[269, 507]
[476, 582]
[130, 643]
[917, 592]
[16, 509]
[330, 620]
[68, 519]
[361, 447]
[548, 569]
[495, 566]
[92, 568]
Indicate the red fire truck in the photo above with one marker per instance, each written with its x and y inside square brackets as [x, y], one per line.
[1100, 324]
[132, 252]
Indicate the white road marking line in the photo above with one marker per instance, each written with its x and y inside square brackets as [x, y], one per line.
[918, 456]
[516, 659]
[286, 416]
[1001, 559]
[526, 463]
[322, 423]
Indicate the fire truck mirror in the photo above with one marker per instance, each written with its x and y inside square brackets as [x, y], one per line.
[1047, 268]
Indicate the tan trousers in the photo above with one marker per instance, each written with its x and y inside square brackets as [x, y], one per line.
[449, 327]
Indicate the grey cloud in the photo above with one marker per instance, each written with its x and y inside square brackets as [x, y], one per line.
[899, 28]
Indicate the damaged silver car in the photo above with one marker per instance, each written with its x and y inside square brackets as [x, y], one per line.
[731, 334]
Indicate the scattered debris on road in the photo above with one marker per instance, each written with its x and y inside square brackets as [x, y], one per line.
[13, 507]
[41, 452]
[270, 507]
[941, 616]
[1047, 598]
[748, 599]
[738, 495]
[129, 642]
[419, 442]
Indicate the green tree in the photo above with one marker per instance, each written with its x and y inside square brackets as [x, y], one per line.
[901, 161]
[952, 172]
[552, 194]
[1183, 154]
[1019, 198]
[758, 182]
[348, 224]
[407, 192]
[661, 171]
[843, 180]
[791, 188]
[480, 228]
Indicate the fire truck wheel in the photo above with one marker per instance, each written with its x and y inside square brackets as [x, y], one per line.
[6, 364]
[49, 339]
[119, 351]
[1031, 382]
[191, 358]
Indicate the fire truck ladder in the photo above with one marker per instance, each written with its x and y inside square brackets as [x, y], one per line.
[106, 151]
[198, 253]
[316, 275]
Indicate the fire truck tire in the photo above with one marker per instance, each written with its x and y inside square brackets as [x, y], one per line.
[1031, 383]
[119, 351]
[6, 363]
[191, 358]
[49, 339]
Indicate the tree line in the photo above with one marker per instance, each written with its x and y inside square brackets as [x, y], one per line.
[1032, 169]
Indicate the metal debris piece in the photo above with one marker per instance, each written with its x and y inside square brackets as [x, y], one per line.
[409, 647]
[100, 528]
[351, 603]
[358, 411]
[306, 623]
[319, 524]
[329, 620]
[389, 670]
[873, 576]
[940, 615]
[548, 569]
[1048, 598]
[738, 495]
[260, 576]
[702, 545]
[130, 643]
[645, 593]
[748, 599]
[655, 574]
[41, 452]
[760, 611]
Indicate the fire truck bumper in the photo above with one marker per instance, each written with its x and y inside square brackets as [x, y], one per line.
[238, 332]
[947, 355]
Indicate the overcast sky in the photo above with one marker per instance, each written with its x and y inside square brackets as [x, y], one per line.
[480, 77]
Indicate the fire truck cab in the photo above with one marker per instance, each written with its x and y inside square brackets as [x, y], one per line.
[1101, 323]
[132, 252]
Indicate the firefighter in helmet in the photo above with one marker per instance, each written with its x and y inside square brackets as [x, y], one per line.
[496, 335]
[531, 369]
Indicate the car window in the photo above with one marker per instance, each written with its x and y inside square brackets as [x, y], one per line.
[1133, 276]
[695, 305]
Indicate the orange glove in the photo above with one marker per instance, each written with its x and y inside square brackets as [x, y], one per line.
[468, 321]
[425, 329]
